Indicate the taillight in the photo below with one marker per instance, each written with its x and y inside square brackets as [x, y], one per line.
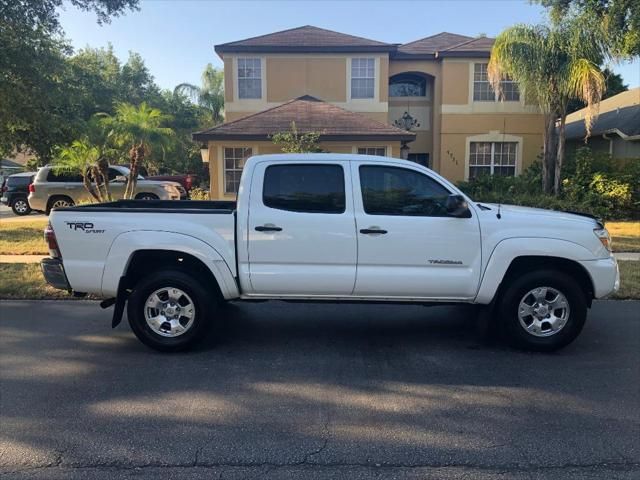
[32, 188]
[52, 243]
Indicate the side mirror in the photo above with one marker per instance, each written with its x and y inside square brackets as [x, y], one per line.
[120, 179]
[456, 206]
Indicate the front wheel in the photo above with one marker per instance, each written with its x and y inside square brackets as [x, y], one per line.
[543, 310]
[21, 207]
[169, 310]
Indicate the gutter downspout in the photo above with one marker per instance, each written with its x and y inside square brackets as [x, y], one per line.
[604, 135]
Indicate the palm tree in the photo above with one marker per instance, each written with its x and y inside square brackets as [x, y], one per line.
[210, 96]
[552, 65]
[140, 128]
[83, 158]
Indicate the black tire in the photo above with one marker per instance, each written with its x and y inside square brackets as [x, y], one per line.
[204, 303]
[514, 293]
[20, 206]
[146, 196]
[59, 201]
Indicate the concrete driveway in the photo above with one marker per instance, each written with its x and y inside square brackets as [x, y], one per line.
[306, 391]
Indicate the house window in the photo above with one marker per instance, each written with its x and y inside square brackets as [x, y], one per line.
[483, 91]
[421, 158]
[363, 77]
[249, 78]
[378, 151]
[234, 159]
[492, 158]
[407, 85]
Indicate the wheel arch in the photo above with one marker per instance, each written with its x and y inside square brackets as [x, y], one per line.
[132, 254]
[514, 254]
[529, 263]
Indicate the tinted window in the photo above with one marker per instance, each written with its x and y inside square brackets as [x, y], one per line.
[18, 181]
[60, 175]
[305, 188]
[400, 191]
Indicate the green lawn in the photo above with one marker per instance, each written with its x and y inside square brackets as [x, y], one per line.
[23, 237]
[24, 280]
[625, 236]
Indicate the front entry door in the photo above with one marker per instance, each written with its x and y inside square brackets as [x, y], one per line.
[301, 229]
[407, 245]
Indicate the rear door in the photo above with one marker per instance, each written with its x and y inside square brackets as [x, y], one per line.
[407, 244]
[301, 231]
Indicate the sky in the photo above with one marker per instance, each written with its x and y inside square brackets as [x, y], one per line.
[176, 37]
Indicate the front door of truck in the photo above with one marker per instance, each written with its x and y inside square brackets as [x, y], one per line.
[407, 244]
[301, 232]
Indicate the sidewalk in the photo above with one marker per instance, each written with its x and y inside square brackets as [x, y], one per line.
[633, 256]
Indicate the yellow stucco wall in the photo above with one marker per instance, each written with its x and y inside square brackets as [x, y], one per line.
[455, 89]
[216, 158]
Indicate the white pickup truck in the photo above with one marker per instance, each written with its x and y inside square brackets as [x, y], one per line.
[337, 228]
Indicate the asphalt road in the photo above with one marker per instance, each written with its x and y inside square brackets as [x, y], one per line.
[305, 391]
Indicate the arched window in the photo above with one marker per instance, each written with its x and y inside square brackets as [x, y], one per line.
[407, 85]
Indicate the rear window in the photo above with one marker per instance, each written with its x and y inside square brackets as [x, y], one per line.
[305, 188]
[59, 175]
[18, 181]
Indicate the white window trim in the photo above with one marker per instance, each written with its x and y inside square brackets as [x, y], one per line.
[384, 147]
[258, 102]
[376, 80]
[493, 136]
[222, 188]
[496, 99]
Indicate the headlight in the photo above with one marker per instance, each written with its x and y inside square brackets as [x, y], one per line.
[604, 237]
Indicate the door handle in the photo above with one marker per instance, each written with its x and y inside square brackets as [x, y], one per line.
[268, 228]
[367, 231]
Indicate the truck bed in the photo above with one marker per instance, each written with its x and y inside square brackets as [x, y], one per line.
[94, 236]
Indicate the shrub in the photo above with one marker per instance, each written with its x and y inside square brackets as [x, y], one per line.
[606, 189]
[197, 193]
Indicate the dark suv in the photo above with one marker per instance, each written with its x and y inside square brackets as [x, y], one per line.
[15, 190]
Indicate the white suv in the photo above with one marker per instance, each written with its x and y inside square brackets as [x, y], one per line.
[54, 188]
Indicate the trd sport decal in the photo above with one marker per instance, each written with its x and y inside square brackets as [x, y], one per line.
[86, 227]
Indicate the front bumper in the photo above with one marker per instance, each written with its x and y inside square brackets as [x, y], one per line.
[604, 274]
[53, 272]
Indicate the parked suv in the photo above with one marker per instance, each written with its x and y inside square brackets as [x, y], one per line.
[54, 188]
[15, 190]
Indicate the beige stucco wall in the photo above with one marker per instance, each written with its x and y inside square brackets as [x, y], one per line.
[321, 77]
[216, 158]
[228, 80]
[455, 89]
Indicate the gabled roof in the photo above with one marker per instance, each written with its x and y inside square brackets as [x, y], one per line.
[619, 114]
[304, 39]
[446, 44]
[310, 115]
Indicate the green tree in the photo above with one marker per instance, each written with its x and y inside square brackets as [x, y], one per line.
[141, 128]
[294, 142]
[83, 158]
[552, 65]
[209, 96]
[613, 86]
[617, 20]
[37, 109]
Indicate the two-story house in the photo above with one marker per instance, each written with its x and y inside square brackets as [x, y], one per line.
[427, 101]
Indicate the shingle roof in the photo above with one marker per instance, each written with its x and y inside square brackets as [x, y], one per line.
[432, 44]
[310, 115]
[305, 39]
[619, 114]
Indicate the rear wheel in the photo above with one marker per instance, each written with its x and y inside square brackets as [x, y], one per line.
[20, 206]
[543, 310]
[169, 310]
[58, 202]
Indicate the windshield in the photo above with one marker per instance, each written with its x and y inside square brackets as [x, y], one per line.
[125, 171]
